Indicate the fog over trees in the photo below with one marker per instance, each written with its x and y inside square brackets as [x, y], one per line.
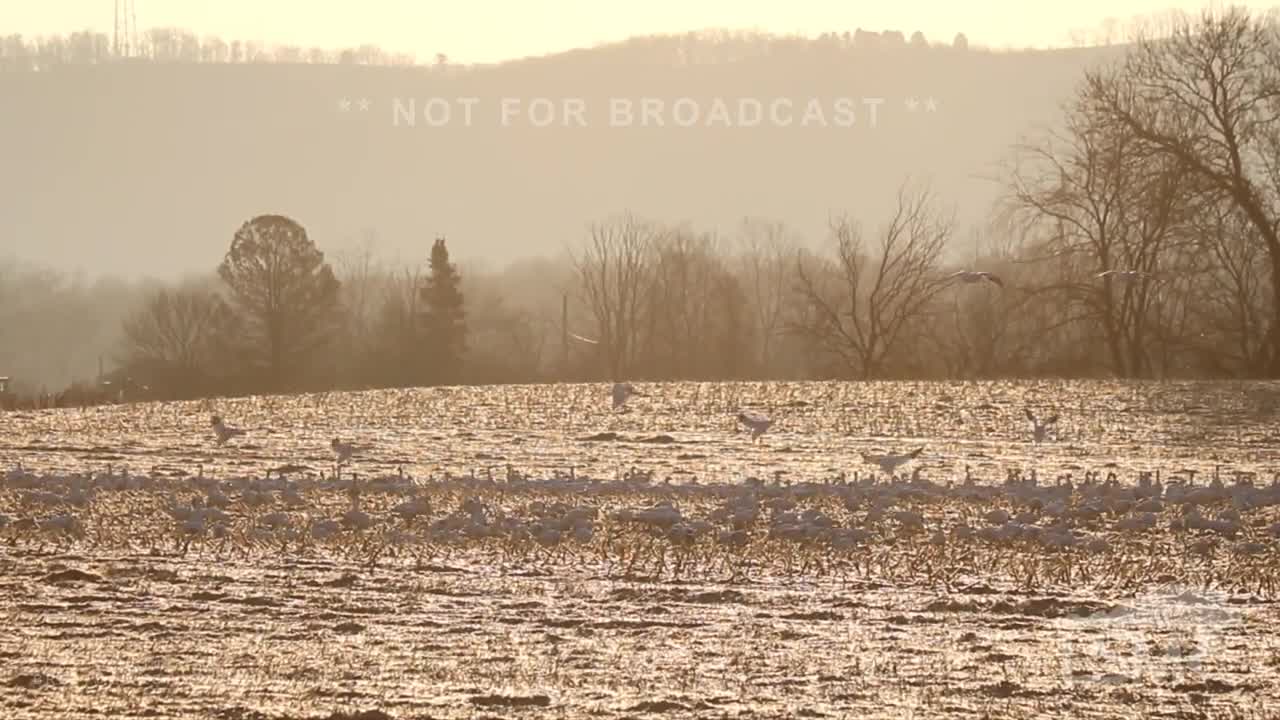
[1163, 168]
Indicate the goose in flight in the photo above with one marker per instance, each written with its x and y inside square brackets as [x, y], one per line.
[622, 391]
[756, 422]
[972, 276]
[223, 431]
[1125, 275]
[889, 462]
[1040, 428]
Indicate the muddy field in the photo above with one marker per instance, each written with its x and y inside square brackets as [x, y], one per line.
[525, 550]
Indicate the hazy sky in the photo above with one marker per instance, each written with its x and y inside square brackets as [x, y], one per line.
[491, 30]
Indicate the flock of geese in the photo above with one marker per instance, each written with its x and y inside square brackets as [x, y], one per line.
[755, 422]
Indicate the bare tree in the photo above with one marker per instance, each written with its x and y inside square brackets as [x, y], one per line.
[360, 276]
[1227, 298]
[1208, 95]
[982, 330]
[877, 296]
[398, 352]
[731, 330]
[684, 307]
[177, 339]
[1102, 201]
[614, 271]
[764, 254]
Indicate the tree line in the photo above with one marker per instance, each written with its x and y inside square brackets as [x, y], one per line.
[177, 45]
[1166, 168]
[277, 320]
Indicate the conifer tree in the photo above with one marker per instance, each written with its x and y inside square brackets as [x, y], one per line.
[445, 326]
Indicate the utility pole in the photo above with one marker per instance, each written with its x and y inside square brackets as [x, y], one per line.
[564, 333]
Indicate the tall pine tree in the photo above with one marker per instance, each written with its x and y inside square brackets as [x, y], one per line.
[445, 325]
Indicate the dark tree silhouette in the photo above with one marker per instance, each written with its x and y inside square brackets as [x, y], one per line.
[1207, 96]
[445, 325]
[286, 292]
[917, 40]
[615, 273]
[861, 306]
[961, 42]
[1104, 202]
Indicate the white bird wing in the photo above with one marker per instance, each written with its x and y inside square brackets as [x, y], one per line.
[575, 336]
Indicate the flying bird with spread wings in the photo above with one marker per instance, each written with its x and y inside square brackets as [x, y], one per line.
[1040, 428]
[223, 431]
[974, 276]
[755, 422]
[621, 392]
[890, 462]
[1123, 275]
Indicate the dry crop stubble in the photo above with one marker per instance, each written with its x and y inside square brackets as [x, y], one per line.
[672, 567]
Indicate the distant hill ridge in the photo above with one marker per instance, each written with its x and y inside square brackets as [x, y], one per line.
[148, 167]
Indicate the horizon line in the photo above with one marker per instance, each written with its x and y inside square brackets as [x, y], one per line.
[703, 33]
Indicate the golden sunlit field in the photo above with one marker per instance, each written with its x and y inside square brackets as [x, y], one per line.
[529, 551]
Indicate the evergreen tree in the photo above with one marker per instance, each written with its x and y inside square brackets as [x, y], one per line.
[445, 326]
